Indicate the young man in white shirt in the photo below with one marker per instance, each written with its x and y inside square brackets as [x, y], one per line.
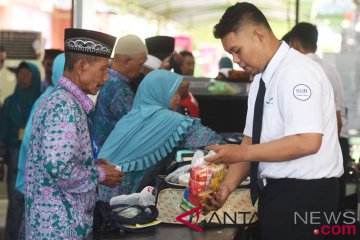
[297, 152]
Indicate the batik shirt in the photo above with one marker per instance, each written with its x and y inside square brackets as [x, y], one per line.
[60, 176]
[114, 101]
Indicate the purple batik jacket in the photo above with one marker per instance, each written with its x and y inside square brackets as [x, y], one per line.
[60, 175]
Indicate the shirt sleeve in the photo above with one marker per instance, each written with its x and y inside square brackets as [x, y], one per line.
[65, 158]
[300, 98]
[24, 148]
[200, 136]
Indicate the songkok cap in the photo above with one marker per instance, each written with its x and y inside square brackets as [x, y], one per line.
[160, 46]
[51, 53]
[152, 62]
[130, 45]
[88, 42]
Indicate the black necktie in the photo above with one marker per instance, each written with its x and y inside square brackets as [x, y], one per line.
[255, 183]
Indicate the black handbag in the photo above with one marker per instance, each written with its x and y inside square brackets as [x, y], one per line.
[102, 217]
[142, 219]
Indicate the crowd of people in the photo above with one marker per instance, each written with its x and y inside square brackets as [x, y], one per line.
[63, 152]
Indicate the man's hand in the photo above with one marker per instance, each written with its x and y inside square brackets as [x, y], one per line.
[113, 176]
[227, 154]
[184, 89]
[216, 200]
[166, 62]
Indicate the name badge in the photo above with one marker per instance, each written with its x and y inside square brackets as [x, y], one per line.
[302, 92]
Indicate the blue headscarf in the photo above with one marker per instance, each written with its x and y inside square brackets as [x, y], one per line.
[150, 131]
[58, 70]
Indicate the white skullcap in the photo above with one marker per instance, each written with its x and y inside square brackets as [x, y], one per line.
[225, 71]
[152, 62]
[130, 45]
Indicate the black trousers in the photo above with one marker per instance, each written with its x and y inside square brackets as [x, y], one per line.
[345, 149]
[283, 201]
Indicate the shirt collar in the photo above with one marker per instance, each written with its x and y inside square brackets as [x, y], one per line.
[114, 72]
[86, 103]
[312, 56]
[274, 62]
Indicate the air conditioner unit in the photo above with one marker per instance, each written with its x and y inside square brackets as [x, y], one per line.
[21, 44]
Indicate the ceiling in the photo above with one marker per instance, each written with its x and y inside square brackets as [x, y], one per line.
[199, 16]
[191, 13]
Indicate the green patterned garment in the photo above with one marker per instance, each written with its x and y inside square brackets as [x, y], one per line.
[60, 176]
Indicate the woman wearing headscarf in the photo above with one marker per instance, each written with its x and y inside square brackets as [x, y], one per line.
[144, 141]
[57, 72]
[13, 117]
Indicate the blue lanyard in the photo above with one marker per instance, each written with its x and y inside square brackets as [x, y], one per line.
[95, 148]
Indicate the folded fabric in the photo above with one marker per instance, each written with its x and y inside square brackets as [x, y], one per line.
[134, 214]
[146, 197]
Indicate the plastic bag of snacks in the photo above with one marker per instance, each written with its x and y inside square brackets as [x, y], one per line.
[205, 178]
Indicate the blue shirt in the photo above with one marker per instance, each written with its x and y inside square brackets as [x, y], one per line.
[114, 101]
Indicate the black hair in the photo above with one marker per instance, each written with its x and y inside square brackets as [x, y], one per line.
[22, 65]
[306, 34]
[286, 38]
[2, 49]
[237, 16]
[72, 58]
[185, 53]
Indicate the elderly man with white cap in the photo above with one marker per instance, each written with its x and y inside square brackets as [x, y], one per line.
[115, 99]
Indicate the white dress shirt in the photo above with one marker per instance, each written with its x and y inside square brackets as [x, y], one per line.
[299, 99]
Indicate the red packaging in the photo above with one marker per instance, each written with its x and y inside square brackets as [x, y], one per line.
[205, 178]
[194, 199]
[196, 187]
[198, 174]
